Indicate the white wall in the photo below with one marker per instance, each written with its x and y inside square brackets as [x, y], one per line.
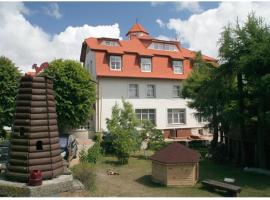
[113, 89]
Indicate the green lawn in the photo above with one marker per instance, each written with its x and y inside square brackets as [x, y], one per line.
[135, 180]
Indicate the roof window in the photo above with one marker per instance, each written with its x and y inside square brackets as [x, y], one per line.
[163, 46]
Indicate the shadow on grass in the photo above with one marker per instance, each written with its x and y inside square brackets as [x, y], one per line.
[146, 180]
[211, 170]
[141, 157]
[112, 162]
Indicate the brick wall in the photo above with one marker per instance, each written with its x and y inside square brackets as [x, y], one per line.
[181, 133]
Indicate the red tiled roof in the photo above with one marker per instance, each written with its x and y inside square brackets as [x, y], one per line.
[137, 28]
[176, 153]
[132, 50]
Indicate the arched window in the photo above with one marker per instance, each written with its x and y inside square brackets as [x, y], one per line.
[39, 145]
[22, 131]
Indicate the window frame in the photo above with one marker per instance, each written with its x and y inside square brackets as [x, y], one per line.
[180, 66]
[154, 90]
[142, 63]
[137, 91]
[110, 43]
[178, 91]
[201, 119]
[148, 114]
[170, 111]
[120, 61]
[163, 46]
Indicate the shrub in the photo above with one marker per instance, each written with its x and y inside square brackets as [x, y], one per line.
[106, 144]
[219, 153]
[156, 145]
[94, 153]
[85, 172]
[83, 156]
[98, 137]
[155, 136]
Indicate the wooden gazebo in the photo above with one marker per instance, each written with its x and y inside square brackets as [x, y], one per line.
[175, 165]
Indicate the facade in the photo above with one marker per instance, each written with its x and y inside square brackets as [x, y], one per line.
[175, 165]
[147, 73]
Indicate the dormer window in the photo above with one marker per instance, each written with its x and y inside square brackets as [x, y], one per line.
[110, 43]
[163, 46]
[115, 63]
[178, 67]
[146, 65]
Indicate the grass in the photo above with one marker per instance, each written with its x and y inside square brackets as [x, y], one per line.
[135, 180]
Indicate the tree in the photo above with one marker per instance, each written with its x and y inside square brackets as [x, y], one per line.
[122, 128]
[154, 136]
[245, 55]
[203, 96]
[9, 82]
[75, 93]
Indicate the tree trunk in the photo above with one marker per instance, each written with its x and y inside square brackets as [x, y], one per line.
[221, 136]
[215, 126]
[260, 144]
[242, 119]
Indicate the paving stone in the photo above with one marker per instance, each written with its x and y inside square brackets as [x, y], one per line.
[48, 188]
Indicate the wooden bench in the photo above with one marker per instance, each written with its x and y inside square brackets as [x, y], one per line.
[231, 189]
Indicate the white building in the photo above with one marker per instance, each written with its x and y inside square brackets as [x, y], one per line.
[146, 72]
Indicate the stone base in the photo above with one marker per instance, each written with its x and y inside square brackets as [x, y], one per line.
[48, 188]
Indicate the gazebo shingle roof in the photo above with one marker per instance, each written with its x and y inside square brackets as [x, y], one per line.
[176, 153]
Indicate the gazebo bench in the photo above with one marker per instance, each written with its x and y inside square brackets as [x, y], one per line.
[231, 189]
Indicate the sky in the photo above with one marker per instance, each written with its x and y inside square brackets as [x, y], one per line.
[36, 32]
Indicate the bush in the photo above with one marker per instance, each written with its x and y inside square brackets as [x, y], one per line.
[85, 172]
[106, 144]
[83, 156]
[219, 153]
[156, 145]
[94, 153]
[98, 137]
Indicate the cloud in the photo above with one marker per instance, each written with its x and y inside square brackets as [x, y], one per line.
[202, 31]
[53, 10]
[191, 6]
[26, 44]
[160, 23]
[157, 3]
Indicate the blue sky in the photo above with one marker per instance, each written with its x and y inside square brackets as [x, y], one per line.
[97, 13]
[36, 32]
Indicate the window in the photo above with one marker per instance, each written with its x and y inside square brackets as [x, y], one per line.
[110, 43]
[178, 67]
[21, 131]
[176, 116]
[201, 119]
[163, 46]
[176, 91]
[146, 114]
[133, 91]
[39, 145]
[139, 34]
[115, 62]
[151, 91]
[146, 64]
